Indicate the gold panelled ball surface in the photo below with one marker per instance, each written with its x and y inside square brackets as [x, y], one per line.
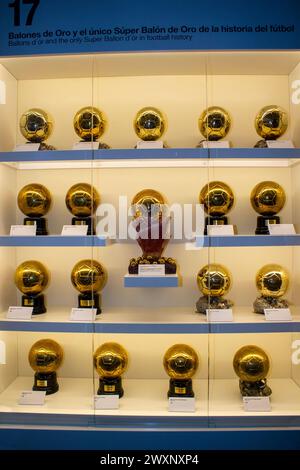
[214, 123]
[217, 198]
[88, 276]
[110, 360]
[267, 198]
[34, 200]
[181, 361]
[149, 124]
[214, 280]
[45, 356]
[89, 123]
[82, 200]
[272, 280]
[251, 363]
[147, 198]
[271, 122]
[36, 125]
[31, 277]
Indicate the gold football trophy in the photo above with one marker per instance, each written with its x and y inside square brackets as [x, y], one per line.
[217, 198]
[214, 281]
[36, 126]
[149, 124]
[110, 362]
[272, 281]
[270, 123]
[32, 278]
[267, 199]
[82, 200]
[34, 200]
[89, 125]
[251, 364]
[181, 363]
[45, 357]
[152, 226]
[214, 124]
[89, 277]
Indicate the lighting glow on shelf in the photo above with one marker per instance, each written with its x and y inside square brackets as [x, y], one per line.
[2, 92]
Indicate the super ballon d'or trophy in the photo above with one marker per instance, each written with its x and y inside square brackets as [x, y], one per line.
[110, 362]
[181, 363]
[267, 199]
[32, 278]
[89, 277]
[214, 281]
[272, 281]
[89, 125]
[149, 124]
[36, 126]
[34, 200]
[214, 124]
[270, 123]
[152, 226]
[45, 357]
[251, 364]
[82, 200]
[217, 199]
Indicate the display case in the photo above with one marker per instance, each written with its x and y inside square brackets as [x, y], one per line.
[149, 314]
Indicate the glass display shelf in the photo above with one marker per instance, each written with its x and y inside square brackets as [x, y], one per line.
[53, 240]
[145, 404]
[246, 240]
[153, 321]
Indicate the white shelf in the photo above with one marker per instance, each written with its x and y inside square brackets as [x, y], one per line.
[166, 320]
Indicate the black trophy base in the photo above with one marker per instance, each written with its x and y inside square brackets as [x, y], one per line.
[213, 220]
[45, 383]
[38, 304]
[40, 222]
[262, 223]
[170, 264]
[110, 386]
[89, 221]
[90, 301]
[255, 389]
[181, 388]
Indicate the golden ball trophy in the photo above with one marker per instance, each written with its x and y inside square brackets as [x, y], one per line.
[214, 281]
[89, 277]
[152, 227]
[32, 278]
[110, 362]
[45, 357]
[34, 200]
[217, 199]
[214, 124]
[36, 126]
[181, 363]
[272, 281]
[149, 124]
[82, 200]
[251, 364]
[267, 199]
[89, 125]
[271, 122]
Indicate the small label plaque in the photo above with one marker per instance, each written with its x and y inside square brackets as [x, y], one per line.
[27, 147]
[220, 230]
[83, 314]
[106, 402]
[23, 230]
[277, 314]
[281, 229]
[182, 404]
[86, 146]
[280, 144]
[257, 403]
[19, 313]
[152, 270]
[220, 144]
[30, 397]
[74, 230]
[155, 144]
[216, 315]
